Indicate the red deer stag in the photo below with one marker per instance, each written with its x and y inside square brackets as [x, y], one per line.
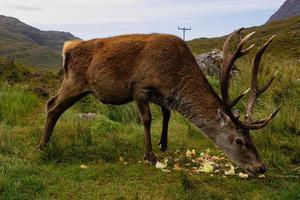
[161, 69]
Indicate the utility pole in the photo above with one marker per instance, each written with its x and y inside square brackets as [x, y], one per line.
[183, 30]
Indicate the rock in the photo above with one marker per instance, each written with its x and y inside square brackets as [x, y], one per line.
[87, 116]
[210, 63]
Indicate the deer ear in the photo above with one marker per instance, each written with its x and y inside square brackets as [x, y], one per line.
[223, 118]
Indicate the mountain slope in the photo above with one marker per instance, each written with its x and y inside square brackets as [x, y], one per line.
[290, 8]
[30, 45]
[286, 45]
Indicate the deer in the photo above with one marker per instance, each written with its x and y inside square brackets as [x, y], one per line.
[161, 69]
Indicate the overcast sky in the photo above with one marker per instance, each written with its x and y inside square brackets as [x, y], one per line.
[100, 18]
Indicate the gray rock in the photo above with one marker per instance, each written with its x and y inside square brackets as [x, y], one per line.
[88, 116]
[210, 63]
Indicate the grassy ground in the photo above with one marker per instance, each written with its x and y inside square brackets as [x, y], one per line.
[55, 173]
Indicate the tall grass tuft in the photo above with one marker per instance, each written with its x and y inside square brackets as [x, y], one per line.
[15, 103]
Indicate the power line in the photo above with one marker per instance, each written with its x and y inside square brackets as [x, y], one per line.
[183, 30]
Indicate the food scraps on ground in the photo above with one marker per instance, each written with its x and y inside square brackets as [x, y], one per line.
[242, 175]
[206, 167]
[83, 166]
[230, 171]
[161, 165]
[202, 162]
[190, 154]
[121, 159]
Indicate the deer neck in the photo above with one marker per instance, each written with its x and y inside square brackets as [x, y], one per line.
[198, 102]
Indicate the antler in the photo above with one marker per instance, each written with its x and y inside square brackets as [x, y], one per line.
[229, 59]
[255, 91]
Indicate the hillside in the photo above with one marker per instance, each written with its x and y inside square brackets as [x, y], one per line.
[285, 46]
[30, 45]
[290, 8]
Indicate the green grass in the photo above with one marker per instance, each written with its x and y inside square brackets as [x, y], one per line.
[55, 173]
[15, 104]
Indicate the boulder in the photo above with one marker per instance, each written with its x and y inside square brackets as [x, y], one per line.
[210, 63]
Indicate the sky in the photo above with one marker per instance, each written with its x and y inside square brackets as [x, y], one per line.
[102, 18]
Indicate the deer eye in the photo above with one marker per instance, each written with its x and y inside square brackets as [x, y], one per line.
[239, 141]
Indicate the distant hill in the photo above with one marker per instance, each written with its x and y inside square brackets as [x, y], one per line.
[30, 45]
[290, 8]
[286, 45]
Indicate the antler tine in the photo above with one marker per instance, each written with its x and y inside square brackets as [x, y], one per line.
[225, 71]
[261, 123]
[228, 62]
[255, 91]
[237, 99]
[226, 45]
[239, 52]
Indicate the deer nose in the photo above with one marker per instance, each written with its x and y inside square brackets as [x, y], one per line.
[260, 168]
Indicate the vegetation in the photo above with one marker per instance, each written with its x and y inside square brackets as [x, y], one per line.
[34, 79]
[284, 46]
[83, 160]
[55, 173]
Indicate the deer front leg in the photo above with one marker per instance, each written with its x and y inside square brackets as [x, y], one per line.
[163, 144]
[56, 106]
[144, 109]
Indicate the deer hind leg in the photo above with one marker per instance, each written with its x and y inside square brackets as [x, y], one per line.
[57, 105]
[163, 144]
[145, 112]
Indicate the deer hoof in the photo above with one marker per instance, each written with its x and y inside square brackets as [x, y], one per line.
[162, 147]
[151, 158]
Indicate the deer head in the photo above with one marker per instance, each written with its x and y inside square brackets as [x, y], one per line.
[234, 137]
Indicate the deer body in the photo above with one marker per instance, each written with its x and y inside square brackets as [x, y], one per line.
[117, 69]
[155, 68]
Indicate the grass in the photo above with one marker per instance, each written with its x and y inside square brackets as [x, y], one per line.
[55, 173]
[283, 47]
[15, 104]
